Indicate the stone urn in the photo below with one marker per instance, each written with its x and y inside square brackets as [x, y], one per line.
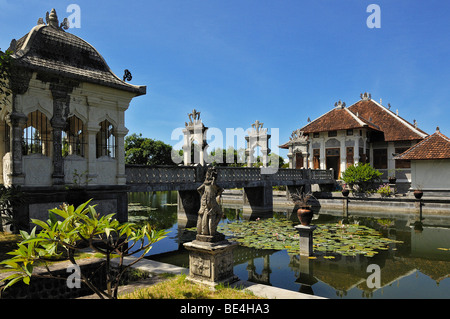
[418, 194]
[305, 215]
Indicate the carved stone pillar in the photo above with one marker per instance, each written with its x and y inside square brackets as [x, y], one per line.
[18, 121]
[91, 154]
[120, 155]
[61, 100]
[19, 81]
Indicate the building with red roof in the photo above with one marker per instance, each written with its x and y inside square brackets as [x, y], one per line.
[430, 163]
[366, 131]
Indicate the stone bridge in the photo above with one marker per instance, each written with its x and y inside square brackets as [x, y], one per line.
[256, 182]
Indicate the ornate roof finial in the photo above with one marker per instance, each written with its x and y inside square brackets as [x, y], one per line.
[127, 75]
[437, 129]
[257, 126]
[52, 18]
[194, 117]
[339, 105]
[365, 96]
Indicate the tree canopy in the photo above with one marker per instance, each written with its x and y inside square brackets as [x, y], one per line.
[146, 151]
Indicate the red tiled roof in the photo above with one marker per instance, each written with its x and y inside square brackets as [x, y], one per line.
[366, 113]
[394, 127]
[339, 118]
[436, 146]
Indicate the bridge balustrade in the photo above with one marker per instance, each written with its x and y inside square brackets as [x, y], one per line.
[163, 177]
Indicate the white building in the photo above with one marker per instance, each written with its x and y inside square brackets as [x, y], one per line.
[365, 132]
[430, 164]
[64, 124]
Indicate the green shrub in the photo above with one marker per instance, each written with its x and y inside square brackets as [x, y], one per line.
[81, 228]
[363, 176]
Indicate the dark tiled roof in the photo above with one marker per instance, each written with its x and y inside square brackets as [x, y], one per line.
[435, 146]
[50, 49]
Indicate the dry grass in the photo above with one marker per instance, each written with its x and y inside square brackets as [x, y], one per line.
[181, 288]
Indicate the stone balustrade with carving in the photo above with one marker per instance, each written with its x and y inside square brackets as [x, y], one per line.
[139, 174]
[190, 177]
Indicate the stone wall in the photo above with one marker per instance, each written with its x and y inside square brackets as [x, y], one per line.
[44, 288]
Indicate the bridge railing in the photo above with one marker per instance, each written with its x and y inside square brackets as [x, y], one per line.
[166, 175]
[238, 174]
[141, 174]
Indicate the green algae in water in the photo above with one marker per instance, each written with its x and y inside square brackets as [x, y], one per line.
[279, 234]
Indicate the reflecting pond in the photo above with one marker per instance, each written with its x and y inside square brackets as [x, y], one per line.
[356, 257]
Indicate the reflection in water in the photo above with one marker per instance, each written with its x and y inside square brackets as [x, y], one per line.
[417, 268]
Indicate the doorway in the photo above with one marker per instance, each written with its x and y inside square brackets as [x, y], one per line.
[298, 160]
[333, 160]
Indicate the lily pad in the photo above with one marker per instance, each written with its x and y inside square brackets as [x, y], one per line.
[279, 234]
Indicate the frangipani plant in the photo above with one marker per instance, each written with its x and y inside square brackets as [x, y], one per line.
[76, 229]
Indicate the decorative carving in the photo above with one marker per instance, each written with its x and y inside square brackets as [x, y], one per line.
[257, 136]
[19, 80]
[200, 266]
[65, 24]
[365, 96]
[127, 75]
[194, 117]
[13, 45]
[297, 135]
[51, 19]
[339, 105]
[257, 126]
[210, 213]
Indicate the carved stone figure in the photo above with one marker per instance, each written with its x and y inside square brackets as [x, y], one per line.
[210, 213]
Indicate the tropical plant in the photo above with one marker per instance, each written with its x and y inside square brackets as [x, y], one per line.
[384, 190]
[10, 197]
[301, 198]
[80, 228]
[362, 175]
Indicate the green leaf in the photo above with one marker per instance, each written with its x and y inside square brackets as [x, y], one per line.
[40, 223]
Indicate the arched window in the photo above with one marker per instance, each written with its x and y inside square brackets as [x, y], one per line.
[73, 139]
[37, 134]
[106, 140]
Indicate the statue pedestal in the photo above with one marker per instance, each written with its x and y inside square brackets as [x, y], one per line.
[211, 262]
[306, 239]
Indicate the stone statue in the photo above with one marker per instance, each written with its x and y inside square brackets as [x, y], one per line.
[210, 213]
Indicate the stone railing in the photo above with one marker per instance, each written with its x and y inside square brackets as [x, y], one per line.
[171, 176]
[238, 174]
[141, 174]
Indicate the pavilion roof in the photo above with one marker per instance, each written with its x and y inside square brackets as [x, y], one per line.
[48, 48]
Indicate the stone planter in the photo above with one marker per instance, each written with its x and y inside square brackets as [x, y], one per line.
[418, 194]
[345, 192]
[305, 215]
[392, 180]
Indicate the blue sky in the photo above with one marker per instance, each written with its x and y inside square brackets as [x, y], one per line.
[276, 61]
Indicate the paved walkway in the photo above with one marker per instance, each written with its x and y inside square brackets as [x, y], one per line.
[265, 291]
